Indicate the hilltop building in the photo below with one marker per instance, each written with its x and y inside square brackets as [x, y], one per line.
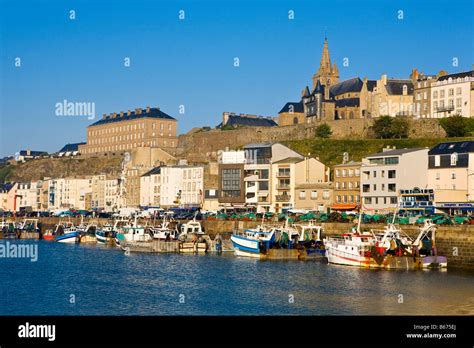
[118, 133]
[233, 120]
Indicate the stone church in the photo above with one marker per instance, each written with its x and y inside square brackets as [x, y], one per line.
[328, 99]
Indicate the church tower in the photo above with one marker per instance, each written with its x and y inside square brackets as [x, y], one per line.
[327, 74]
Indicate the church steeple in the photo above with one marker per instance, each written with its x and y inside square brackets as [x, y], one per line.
[327, 73]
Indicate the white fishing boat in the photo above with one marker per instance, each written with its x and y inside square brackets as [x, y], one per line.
[105, 234]
[66, 232]
[164, 231]
[192, 238]
[132, 233]
[252, 242]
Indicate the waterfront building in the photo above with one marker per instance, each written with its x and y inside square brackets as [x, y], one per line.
[287, 174]
[346, 186]
[384, 174]
[316, 196]
[453, 95]
[7, 196]
[181, 186]
[120, 132]
[231, 185]
[257, 172]
[451, 175]
[70, 193]
[392, 97]
[150, 188]
[211, 199]
[26, 196]
[104, 193]
[417, 201]
[230, 119]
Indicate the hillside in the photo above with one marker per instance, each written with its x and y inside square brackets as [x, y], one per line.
[59, 167]
[330, 151]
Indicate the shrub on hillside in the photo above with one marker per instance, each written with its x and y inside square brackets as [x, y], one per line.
[390, 127]
[323, 131]
[456, 126]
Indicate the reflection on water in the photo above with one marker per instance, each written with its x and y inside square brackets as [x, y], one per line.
[104, 281]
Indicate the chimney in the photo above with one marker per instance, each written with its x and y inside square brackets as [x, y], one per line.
[104, 116]
[138, 111]
[147, 109]
[384, 79]
[121, 113]
[225, 118]
[28, 152]
[113, 114]
[129, 113]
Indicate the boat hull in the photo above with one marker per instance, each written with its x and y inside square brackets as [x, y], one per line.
[191, 247]
[72, 237]
[340, 257]
[245, 247]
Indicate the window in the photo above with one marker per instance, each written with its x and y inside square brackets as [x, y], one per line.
[337, 173]
[338, 199]
[314, 194]
[435, 94]
[337, 185]
[368, 200]
[303, 194]
[392, 187]
[454, 158]
[458, 90]
[437, 176]
[437, 160]
[326, 194]
[383, 187]
[343, 173]
[391, 160]
[375, 174]
[383, 173]
[441, 93]
[375, 187]
[351, 172]
[453, 175]
[451, 91]
[458, 102]
[357, 172]
[345, 199]
[393, 200]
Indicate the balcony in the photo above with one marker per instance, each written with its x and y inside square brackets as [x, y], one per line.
[282, 186]
[283, 174]
[445, 108]
[283, 198]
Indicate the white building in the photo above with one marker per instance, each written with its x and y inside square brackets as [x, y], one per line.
[70, 193]
[451, 175]
[181, 186]
[258, 169]
[453, 94]
[150, 188]
[384, 174]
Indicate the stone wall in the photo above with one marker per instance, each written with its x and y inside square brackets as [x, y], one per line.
[204, 145]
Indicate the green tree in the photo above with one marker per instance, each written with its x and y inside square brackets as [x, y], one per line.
[323, 131]
[382, 127]
[399, 128]
[455, 126]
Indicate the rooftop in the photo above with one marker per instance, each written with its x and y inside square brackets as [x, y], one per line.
[249, 120]
[396, 152]
[297, 107]
[466, 146]
[133, 115]
[349, 164]
[156, 170]
[457, 75]
[71, 147]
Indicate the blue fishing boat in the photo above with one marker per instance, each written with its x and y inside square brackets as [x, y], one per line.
[252, 242]
[66, 232]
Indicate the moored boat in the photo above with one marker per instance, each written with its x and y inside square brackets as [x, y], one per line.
[192, 238]
[66, 232]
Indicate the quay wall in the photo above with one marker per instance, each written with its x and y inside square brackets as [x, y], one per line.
[456, 241]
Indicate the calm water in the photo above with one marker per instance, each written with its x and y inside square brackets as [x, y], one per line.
[104, 281]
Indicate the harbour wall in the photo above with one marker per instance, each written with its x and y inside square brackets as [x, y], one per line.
[454, 241]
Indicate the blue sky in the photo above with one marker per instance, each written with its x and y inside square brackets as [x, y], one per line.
[190, 62]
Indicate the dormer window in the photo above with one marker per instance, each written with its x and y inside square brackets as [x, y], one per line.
[454, 158]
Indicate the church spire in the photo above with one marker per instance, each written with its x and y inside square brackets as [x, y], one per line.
[327, 73]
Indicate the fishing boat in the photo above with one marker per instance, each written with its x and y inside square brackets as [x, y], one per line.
[132, 233]
[105, 234]
[351, 249]
[310, 239]
[192, 238]
[66, 232]
[425, 246]
[29, 229]
[252, 242]
[164, 231]
[9, 230]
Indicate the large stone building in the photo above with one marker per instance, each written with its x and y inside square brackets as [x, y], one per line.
[392, 97]
[118, 133]
[230, 119]
[453, 95]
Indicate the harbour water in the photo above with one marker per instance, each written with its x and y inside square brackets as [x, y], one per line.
[98, 280]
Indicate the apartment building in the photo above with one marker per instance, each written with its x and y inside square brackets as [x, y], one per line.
[181, 185]
[314, 196]
[346, 186]
[451, 175]
[257, 172]
[70, 193]
[453, 95]
[288, 173]
[384, 174]
[231, 185]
